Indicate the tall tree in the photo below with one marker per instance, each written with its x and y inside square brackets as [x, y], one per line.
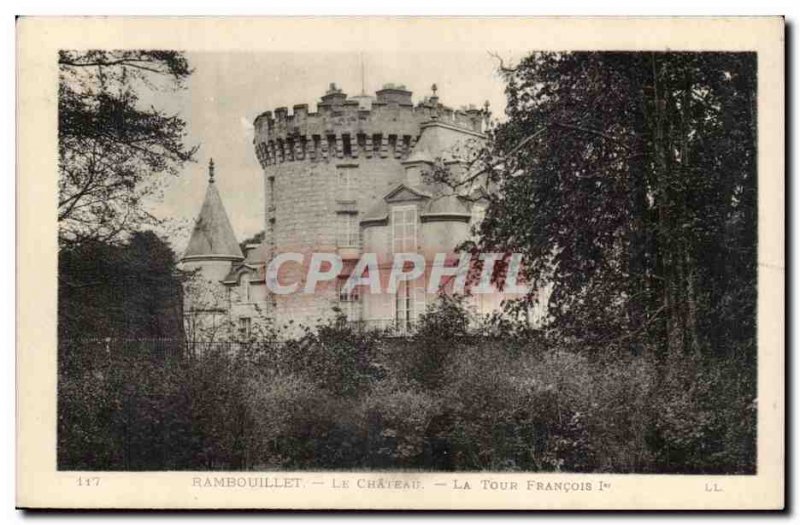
[127, 290]
[113, 146]
[628, 180]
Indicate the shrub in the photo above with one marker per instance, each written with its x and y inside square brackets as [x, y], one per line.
[706, 420]
[335, 357]
[397, 417]
[518, 411]
[445, 399]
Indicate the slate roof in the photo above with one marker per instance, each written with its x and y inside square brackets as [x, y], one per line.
[436, 204]
[437, 140]
[213, 235]
[440, 140]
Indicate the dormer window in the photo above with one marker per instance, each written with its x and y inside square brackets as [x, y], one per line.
[404, 229]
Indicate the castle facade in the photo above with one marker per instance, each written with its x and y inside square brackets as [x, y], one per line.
[348, 179]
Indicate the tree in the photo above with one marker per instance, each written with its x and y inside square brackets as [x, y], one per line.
[120, 371]
[113, 147]
[130, 290]
[628, 182]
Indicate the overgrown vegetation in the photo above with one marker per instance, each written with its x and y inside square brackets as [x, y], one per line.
[445, 399]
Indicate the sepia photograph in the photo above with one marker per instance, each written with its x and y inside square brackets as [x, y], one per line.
[527, 260]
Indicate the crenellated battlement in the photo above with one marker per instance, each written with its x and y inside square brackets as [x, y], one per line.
[386, 125]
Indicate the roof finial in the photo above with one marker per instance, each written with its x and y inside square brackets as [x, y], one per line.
[211, 171]
[434, 102]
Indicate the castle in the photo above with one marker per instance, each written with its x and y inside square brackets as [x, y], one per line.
[347, 179]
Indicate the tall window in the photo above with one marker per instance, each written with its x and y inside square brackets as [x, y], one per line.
[349, 302]
[361, 140]
[409, 305]
[376, 143]
[331, 145]
[347, 234]
[347, 147]
[244, 288]
[346, 190]
[404, 229]
[403, 307]
[271, 195]
[244, 326]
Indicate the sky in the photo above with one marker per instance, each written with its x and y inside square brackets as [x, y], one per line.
[227, 91]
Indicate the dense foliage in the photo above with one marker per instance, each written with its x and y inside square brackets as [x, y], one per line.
[628, 181]
[113, 143]
[338, 399]
[124, 290]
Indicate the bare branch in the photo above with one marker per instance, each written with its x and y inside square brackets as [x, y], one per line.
[502, 66]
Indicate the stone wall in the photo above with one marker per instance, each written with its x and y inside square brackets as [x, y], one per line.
[307, 159]
[305, 204]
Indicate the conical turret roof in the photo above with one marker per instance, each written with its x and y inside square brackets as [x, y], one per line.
[213, 237]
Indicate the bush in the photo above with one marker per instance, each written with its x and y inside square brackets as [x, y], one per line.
[334, 357]
[120, 408]
[518, 412]
[397, 417]
[444, 399]
[707, 418]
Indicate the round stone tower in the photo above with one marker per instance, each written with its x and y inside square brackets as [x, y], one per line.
[324, 171]
[211, 250]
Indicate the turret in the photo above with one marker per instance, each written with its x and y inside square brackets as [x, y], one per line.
[212, 246]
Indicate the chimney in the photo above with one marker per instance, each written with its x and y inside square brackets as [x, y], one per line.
[391, 94]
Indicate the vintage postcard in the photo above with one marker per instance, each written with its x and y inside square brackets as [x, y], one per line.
[400, 263]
